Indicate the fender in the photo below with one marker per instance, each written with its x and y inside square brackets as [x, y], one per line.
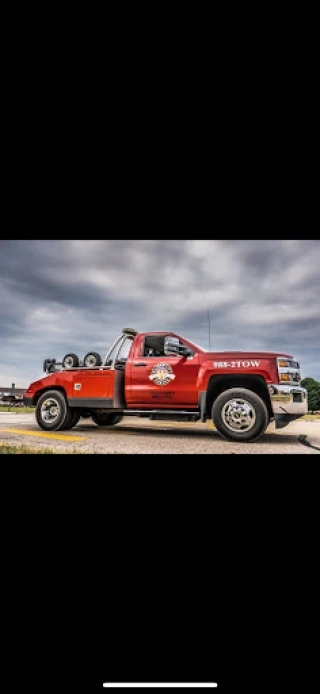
[49, 382]
[232, 371]
[241, 365]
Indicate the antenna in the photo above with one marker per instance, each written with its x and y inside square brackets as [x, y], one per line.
[209, 329]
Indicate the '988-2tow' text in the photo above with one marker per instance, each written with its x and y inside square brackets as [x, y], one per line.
[236, 364]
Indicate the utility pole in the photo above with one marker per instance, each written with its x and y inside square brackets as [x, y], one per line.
[10, 403]
[209, 329]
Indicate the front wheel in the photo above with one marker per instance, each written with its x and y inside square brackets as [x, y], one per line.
[240, 414]
[52, 411]
[107, 419]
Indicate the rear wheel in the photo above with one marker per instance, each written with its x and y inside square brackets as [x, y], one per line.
[71, 420]
[107, 420]
[52, 411]
[240, 415]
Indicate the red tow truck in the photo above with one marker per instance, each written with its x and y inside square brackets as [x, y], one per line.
[161, 375]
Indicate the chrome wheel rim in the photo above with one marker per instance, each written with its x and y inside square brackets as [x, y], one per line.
[238, 414]
[50, 410]
[68, 362]
[91, 360]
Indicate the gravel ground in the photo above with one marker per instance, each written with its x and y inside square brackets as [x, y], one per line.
[140, 435]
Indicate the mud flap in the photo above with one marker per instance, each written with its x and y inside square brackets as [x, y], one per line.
[282, 420]
[203, 405]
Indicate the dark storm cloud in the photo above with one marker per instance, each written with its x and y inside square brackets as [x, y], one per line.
[59, 296]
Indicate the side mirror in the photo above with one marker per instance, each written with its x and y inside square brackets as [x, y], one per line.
[172, 346]
[185, 351]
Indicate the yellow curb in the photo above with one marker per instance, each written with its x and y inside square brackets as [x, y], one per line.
[45, 435]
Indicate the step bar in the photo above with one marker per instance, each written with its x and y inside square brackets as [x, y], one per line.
[183, 415]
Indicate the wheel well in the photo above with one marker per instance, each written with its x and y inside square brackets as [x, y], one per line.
[44, 390]
[217, 384]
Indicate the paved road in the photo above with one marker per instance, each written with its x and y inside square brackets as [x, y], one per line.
[140, 435]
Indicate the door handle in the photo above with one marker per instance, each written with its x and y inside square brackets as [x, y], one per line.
[139, 363]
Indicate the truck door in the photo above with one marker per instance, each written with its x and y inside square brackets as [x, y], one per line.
[161, 381]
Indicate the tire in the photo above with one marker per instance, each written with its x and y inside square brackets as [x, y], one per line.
[107, 420]
[240, 414]
[52, 411]
[92, 359]
[71, 420]
[70, 361]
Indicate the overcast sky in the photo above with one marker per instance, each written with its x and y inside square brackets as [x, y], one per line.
[76, 296]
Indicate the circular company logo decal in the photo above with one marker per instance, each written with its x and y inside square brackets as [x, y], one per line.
[161, 374]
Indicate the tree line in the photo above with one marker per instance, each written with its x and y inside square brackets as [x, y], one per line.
[313, 388]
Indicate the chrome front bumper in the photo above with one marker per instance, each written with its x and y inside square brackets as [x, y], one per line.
[291, 400]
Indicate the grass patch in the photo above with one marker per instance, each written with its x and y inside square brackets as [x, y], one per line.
[311, 417]
[22, 449]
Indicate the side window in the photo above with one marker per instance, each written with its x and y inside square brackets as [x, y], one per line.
[153, 346]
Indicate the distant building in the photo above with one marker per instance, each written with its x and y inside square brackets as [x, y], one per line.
[5, 394]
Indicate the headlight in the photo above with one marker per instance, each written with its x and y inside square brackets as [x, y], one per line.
[289, 371]
[283, 363]
[284, 377]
